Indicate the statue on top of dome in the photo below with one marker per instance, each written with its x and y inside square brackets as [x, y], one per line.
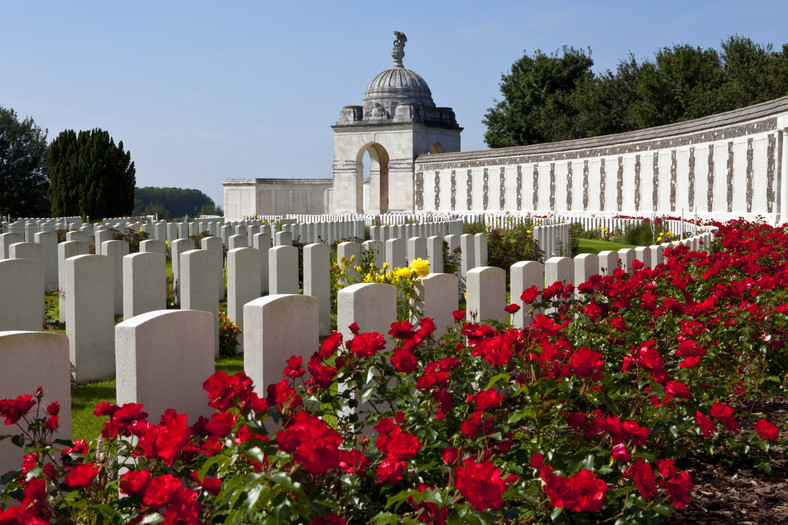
[398, 53]
[399, 39]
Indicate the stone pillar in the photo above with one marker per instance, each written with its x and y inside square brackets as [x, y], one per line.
[278, 327]
[435, 253]
[379, 250]
[608, 262]
[6, 240]
[283, 269]
[90, 303]
[163, 359]
[116, 250]
[153, 246]
[243, 281]
[480, 249]
[262, 241]
[586, 265]
[467, 246]
[373, 306]
[144, 283]
[627, 257]
[643, 254]
[215, 245]
[416, 249]
[198, 285]
[524, 275]
[48, 241]
[22, 306]
[439, 299]
[29, 360]
[317, 268]
[395, 253]
[486, 294]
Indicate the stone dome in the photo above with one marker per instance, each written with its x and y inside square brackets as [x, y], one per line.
[397, 96]
[393, 87]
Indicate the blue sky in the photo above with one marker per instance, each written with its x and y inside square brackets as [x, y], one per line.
[203, 91]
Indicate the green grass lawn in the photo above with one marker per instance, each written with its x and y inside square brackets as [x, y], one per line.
[596, 246]
[85, 397]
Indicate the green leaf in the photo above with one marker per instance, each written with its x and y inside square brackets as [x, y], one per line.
[493, 380]
[152, 518]
[556, 512]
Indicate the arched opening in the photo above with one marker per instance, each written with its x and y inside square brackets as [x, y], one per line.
[436, 148]
[372, 177]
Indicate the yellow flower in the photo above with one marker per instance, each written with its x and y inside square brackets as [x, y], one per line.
[404, 273]
[358, 269]
[421, 267]
[386, 266]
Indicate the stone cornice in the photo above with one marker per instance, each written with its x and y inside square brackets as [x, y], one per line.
[759, 118]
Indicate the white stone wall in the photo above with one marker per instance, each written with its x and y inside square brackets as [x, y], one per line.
[724, 166]
[257, 197]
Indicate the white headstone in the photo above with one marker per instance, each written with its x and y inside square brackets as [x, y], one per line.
[439, 299]
[283, 270]
[144, 283]
[198, 284]
[22, 304]
[317, 268]
[486, 294]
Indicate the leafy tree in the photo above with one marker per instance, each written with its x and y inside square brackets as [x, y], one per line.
[537, 104]
[90, 175]
[23, 179]
[172, 203]
[558, 97]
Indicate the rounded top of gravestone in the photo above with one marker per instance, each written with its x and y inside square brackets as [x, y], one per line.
[395, 86]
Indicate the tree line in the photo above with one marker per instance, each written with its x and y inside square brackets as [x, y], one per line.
[79, 174]
[548, 98]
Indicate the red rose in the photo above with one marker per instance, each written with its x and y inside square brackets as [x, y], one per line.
[402, 446]
[529, 295]
[644, 478]
[82, 475]
[390, 471]
[221, 424]
[458, 315]
[707, 426]
[312, 443]
[134, 481]
[677, 389]
[14, 409]
[354, 329]
[450, 455]
[512, 308]
[620, 453]
[54, 408]
[481, 484]
[585, 362]
[293, 368]
[766, 430]
[404, 361]
[367, 344]
[353, 461]
[159, 490]
[487, 400]
[587, 492]
[721, 411]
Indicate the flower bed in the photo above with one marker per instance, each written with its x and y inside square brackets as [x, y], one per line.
[579, 418]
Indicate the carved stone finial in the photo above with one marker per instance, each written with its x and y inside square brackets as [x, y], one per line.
[398, 53]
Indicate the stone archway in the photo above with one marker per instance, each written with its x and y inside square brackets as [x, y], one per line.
[378, 200]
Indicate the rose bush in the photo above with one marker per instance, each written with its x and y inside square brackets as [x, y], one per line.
[582, 417]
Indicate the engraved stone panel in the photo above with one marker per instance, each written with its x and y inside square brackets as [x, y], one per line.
[519, 187]
[749, 175]
[552, 186]
[602, 185]
[569, 185]
[469, 188]
[437, 190]
[655, 183]
[419, 190]
[485, 190]
[620, 184]
[637, 182]
[585, 185]
[673, 171]
[502, 189]
[770, 159]
[710, 180]
[729, 180]
[691, 182]
[453, 190]
[536, 186]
